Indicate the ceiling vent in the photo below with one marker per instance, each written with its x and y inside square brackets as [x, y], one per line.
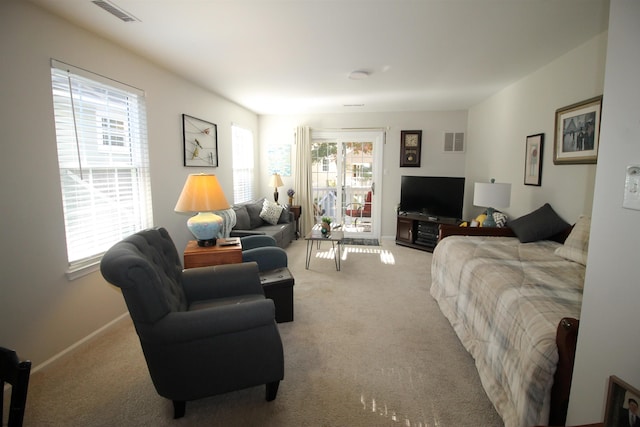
[454, 142]
[115, 11]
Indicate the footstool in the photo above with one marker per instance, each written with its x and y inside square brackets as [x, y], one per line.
[278, 286]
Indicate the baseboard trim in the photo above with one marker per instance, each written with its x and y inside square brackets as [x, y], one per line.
[79, 343]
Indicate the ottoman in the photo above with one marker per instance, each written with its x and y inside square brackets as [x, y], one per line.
[278, 286]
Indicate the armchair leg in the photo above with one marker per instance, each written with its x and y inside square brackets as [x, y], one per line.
[272, 390]
[179, 408]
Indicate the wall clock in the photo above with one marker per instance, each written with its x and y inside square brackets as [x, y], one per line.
[200, 140]
[410, 145]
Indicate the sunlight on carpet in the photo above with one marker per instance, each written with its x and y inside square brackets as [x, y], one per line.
[360, 242]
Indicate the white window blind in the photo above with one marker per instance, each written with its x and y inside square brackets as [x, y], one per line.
[101, 134]
[242, 141]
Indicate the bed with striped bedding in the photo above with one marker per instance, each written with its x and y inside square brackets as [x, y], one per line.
[505, 300]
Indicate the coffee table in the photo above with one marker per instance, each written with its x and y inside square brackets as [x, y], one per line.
[335, 237]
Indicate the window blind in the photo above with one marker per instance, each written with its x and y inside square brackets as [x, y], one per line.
[243, 165]
[101, 134]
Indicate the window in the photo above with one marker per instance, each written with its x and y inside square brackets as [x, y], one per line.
[242, 141]
[101, 134]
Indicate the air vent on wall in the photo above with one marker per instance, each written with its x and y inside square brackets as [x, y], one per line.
[454, 142]
[115, 10]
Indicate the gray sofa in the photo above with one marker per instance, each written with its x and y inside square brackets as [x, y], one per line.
[249, 223]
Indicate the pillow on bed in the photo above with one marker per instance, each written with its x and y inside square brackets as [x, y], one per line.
[576, 246]
[538, 225]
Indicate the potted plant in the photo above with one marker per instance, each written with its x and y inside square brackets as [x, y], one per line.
[326, 225]
[290, 193]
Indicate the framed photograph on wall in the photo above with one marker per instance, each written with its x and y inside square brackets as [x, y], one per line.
[621, 408]
[410, 146]
[533, 159]
[200, 140]
[577, 132]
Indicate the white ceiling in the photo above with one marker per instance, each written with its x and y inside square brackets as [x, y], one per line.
[294, 56]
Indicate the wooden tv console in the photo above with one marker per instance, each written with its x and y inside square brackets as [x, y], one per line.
[419, 231]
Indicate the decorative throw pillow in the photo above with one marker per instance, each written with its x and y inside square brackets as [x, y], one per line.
[540, 224]
[284, 216]
[576, 246]
[500, 219]
[270, 212]
[254, 209]
[242, 218]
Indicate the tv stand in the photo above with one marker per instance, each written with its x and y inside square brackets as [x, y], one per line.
[420, 231]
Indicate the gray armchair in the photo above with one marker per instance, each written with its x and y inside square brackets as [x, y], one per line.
[203, 331]
[264, 250]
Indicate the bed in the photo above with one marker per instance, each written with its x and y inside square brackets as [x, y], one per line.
[514, 307]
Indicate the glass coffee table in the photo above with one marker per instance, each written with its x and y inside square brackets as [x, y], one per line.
[335, 237]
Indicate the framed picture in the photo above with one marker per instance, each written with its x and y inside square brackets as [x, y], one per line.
[577, 132]
[533, 160]
[410, 145]
[622, 404]
[200, 142]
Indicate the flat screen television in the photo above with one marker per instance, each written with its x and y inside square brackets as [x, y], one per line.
[435, 196]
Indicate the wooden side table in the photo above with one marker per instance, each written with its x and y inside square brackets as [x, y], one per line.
[297, 211]
[199, 256]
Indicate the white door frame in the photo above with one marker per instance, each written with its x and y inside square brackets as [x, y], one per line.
[377, 138]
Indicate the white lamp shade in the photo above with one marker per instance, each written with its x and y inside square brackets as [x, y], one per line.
[201, 193]
[275, 181]
[494, 195]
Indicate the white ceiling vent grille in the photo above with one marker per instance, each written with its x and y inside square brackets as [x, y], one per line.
[454, 142]
[116, 11]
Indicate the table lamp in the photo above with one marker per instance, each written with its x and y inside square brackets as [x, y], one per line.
[275, 182]
[202, 193]
[491, 195]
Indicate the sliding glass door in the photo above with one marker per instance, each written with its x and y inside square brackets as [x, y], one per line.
[345, 168]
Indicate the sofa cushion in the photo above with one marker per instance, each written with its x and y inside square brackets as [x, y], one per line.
[284, 216]
[576, 246]
[540, 224]
[270, 212]
[242, 218]
[254, 209]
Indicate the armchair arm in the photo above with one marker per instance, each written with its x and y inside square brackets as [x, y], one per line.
[204, 283]
[257, 241]
[186, 326]
[268, 258]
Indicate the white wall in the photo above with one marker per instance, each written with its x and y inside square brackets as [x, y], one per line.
[609, 336]
[42, 312]
[498, 128]
[280, 129]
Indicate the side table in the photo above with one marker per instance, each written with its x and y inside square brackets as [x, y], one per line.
[297, 211]
[199, 256]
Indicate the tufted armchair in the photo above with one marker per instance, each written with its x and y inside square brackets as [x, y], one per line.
[203, 331]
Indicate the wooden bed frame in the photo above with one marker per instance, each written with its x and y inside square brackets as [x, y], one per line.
[566, 335]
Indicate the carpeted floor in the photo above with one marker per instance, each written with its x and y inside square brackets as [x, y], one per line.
[368, 347]
[360, 242]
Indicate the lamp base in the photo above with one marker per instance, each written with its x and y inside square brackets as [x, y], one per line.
[205, 227]
[489, 221]
[275, 196]
[207, 243]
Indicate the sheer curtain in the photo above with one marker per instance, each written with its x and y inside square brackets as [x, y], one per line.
[303, 183]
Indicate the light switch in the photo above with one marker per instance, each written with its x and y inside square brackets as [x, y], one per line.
[632, 188]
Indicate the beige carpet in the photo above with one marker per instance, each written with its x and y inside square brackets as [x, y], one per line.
[368, 347]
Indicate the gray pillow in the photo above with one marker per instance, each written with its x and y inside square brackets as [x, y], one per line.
[254, 209]
[284, 216]
[242, 218]
[540, 224]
